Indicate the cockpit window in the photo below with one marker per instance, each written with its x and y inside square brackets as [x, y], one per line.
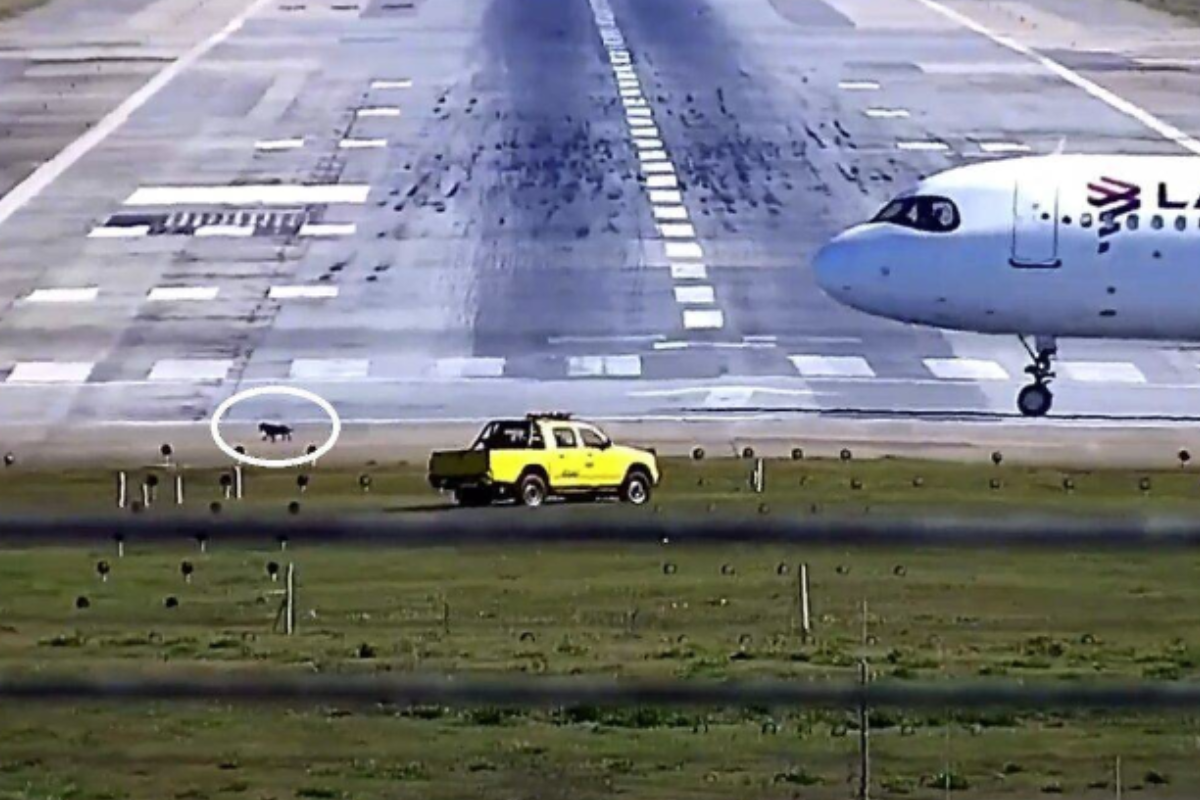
[931, 214]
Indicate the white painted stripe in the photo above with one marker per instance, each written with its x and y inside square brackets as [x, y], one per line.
[706, 320]
[20, 195]
[622, 71]
[886, 113]
[182, 293]
[966, 369]
[662, 182]
[119, 232]
[923, 146]
[329, 368]
[645, 133]
[1101, 372]
[632, 113]
[273, 145]
[302, 292]
[832, 366]
[224, 231]
[362, 144]
[658, 168]
[677, 230]
[470, 367]
[83, 294]
[689, 272]
[250, 195]
[377, 111]
[1004, 147]
[51, 372]
[1167, 131]
[634, 102]
[684, 250]
[313, 229]
[190, 369]
[604, 366]
[670, 213]
[695, 295]
[858, 86]
[630, 94]
[403, 83]
[639, 122]
[652, 155]
[666, 196]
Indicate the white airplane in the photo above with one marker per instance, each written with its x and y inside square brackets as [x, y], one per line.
[1039, 247]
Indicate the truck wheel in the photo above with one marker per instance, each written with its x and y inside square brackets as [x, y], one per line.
[472, 498]
[532, 491]
[636, 489]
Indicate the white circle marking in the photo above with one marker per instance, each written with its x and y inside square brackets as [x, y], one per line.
[273, 463]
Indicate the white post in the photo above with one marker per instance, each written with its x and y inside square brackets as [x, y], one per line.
[122, 490]
[290, 614]
[178, 489]
[805, 620]
[237, 481]
[1118, 777]
[146, 495]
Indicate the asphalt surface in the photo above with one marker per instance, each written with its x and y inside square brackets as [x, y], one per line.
[438, 211]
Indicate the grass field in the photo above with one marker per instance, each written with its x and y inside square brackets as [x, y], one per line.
[716, 612]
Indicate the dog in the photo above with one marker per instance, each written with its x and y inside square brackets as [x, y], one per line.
[272, 431]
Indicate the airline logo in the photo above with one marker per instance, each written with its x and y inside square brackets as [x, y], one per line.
[1115, 198]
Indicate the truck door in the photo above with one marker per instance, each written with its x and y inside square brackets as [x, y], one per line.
[602, 464]
[566, 465]
[1035, 224]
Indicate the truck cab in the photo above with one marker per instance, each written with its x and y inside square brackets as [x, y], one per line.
[542, 456]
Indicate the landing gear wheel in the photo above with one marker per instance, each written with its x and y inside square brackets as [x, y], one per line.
[532, 491]
[636, 489]
[1035, 400]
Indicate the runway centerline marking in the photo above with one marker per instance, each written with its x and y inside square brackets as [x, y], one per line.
[82, 294]
[182, 293]
[25, 191]
[302, 292]
[1113, 100]
[275, 145]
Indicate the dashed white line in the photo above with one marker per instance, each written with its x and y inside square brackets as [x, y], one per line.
[688, 272]
[377, 111]
[929, 146]
[302, 292]
[1004, 147]
[645, 133]
[886, 113]
[652, 155]
[677, 230]
[666, 196]
[183, 293]
[832, 366]
[662, 182]
[274, 145]
[83, 294]
[648, 144]
[329, 368]
[966, 369]
[858, 86]
[670, 213]
[362, 144]
[684, 250]
[119, 232]
[658, 168]
[384, 85]
[51, 372]
[250, 195]
[190, 369]
[322, 230]
[706, 320]
[1101, 372]
[695, 295]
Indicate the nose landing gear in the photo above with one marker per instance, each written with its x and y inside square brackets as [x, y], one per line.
[1035, 399]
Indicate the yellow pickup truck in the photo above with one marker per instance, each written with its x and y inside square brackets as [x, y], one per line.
[541, 456]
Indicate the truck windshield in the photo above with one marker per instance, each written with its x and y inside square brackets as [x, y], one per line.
[509, 435]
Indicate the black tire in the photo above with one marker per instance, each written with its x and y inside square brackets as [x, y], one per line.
[1035, 400]
[473, 497]
[532, 490]
[636, 489]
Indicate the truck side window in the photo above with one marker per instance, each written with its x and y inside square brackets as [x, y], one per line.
[564, 437]
[591, 438]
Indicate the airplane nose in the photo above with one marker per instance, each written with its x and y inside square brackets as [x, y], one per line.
[832, 266]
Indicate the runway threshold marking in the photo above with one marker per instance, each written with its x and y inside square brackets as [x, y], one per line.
[37, 182]
[1113, 100]
[51, 372]
[82, 294]
[250, 195]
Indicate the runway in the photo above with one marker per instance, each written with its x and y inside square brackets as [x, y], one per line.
[458, 209]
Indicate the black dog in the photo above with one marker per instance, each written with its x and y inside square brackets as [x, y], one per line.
[271, 432]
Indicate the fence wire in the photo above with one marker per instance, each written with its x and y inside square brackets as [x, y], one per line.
[401, 691]
[499, 526]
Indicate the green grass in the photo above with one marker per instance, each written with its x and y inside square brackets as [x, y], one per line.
[721, 612]
[11, 8]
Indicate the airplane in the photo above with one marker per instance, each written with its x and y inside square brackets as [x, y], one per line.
[1040, 247]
